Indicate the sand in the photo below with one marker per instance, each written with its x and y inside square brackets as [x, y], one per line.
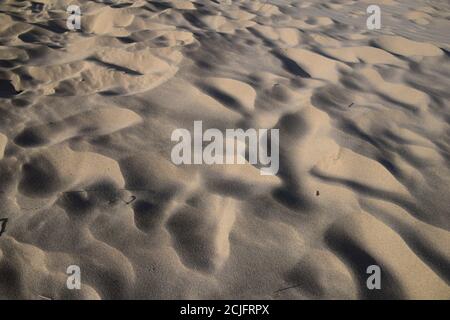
[86, 176]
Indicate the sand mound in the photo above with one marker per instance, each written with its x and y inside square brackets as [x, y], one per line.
[406, 47]
[235, 94]
[360, 233]
[102, 121]
[418, 17]
[200, 231]
[316, 65]
[368, 55]
[58, 169]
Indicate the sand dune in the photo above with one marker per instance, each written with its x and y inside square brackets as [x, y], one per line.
[86, 176]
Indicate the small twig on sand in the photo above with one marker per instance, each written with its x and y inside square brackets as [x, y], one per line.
[283, 289]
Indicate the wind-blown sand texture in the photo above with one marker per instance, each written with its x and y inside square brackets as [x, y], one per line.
[86, 176]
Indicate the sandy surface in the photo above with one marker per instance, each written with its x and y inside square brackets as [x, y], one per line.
[86, 176]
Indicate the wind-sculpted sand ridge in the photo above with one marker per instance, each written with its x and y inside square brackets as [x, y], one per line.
[102, 121]
[86, 176]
